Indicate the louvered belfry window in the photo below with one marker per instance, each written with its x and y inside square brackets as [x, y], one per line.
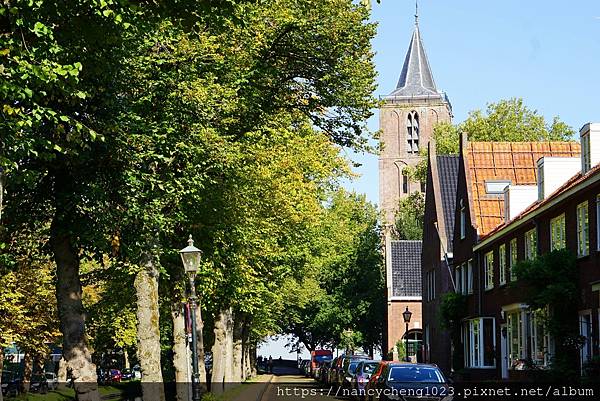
[412, 134]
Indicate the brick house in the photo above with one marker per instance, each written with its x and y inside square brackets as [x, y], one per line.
[515, 201]
[403, 282]
[436, 258]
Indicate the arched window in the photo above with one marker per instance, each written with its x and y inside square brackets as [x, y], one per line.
[412, 134]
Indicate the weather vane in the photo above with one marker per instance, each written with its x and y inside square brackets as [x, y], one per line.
[416, 11]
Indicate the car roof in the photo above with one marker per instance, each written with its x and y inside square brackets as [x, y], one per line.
[420, 365]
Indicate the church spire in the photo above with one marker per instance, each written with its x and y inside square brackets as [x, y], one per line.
[416, 12]
[416, 78]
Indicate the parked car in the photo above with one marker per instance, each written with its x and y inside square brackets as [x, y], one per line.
[413, 380]
[52, 380]
[114, 376]
[126, 374]
[12, 384]
[348, 371]
[374, 377]
[317, 357]
[361, 376]
[38, 384]
[341, 370]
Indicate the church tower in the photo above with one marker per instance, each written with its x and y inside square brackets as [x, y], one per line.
[406, 121]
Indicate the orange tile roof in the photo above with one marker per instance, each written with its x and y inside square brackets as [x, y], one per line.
[570, 183]
[513, 161]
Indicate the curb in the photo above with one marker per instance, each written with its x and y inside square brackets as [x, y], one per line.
[264, 389]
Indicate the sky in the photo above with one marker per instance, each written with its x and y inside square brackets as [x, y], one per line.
[545, 51]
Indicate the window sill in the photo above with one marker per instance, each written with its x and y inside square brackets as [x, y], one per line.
[489, 289]
[502, 285]
[583, 256]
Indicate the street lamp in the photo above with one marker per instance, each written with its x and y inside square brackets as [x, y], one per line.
[190, 255]
[406, 315]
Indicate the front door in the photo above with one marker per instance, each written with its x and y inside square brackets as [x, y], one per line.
[504, 351]
[585, 330]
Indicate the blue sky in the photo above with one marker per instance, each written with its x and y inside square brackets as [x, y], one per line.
[545, 51]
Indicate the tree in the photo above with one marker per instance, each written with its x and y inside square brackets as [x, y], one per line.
[409, 217]
[550, 281]
[331, 299]
[507, 120]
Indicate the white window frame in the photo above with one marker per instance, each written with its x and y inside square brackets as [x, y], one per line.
[531, 244]
[583, 229]
[470, 276]
[557, 233]
[513, 258]
[535, 337]
[514, 355]
[474, 344]
[502, 263]
[489, 270]
[458, 279]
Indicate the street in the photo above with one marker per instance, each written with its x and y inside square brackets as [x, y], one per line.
[294, 387]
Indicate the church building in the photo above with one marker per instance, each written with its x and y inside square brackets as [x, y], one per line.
[406, 121]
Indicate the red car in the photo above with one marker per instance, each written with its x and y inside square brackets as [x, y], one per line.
[374, 377]
[115, 376]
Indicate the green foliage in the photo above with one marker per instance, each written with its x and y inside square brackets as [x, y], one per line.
[551, 285]
[508, 120]
[401, 350]
[332, 298]
[129, 126]
[409, 217]
[453, 308]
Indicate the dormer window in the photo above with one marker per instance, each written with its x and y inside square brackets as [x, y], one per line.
[412, 134]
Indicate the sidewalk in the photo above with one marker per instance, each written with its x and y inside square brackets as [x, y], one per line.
[250, 391]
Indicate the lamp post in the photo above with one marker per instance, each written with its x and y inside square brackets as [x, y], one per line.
[406, 315]
[190, 255]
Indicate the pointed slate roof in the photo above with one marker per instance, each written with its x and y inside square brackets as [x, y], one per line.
[416, 78]
[447, 167]
[406, 268]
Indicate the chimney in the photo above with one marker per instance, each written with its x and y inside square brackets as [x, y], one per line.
[552, 172]
[517, 198]
[590, 146]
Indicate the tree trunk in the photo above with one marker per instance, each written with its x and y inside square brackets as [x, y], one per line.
[180, 358]
[203, 381]
[62, 374]
[70, 309]
[27, 371]
[253, 360]
[229, 378]
[148, 333]
[219, 354]
[1, 369]
[246, 368]
[126, 357]
[237, 355]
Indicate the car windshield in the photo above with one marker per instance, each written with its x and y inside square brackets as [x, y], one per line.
[322, 358]
[420, 374]
[49, 375]
[352, 367]
[370, 367]
[37, 378]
